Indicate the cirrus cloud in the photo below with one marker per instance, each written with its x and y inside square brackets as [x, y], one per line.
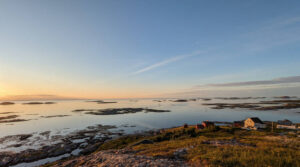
[282, 80]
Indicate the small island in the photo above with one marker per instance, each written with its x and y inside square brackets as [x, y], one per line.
[38, 103]
[115, 111]
[7, 103]
[101, 101]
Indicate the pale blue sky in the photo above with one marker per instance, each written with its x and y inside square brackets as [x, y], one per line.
[117, 48]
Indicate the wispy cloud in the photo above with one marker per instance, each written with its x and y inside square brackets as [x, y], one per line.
[274, 87]
[271, 34]
[165, 62]
[283, 80]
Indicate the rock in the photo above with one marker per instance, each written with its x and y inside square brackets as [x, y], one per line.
[113, 158]
[91, 148]
[180, 100]
[93, 137]
[25, 136]
[5, 160]
[53, 116]
[16, 145]
[180, 153]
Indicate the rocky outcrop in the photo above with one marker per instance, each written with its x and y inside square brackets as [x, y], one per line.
[115, 111]
[121, 158]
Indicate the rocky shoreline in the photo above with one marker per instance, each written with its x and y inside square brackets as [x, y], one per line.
[188, 146]
[77, 143]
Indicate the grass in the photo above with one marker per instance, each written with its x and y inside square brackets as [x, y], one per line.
[121, 142]
[265, 148]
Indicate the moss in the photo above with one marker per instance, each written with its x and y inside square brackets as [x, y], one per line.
[120, 143]
[257, 148]
[264, 148]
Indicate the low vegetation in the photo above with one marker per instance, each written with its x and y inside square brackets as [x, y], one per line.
[217, 146]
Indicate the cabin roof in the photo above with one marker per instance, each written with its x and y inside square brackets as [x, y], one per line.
[208, 122]
[256, 120]
[238, 121]
[285, 121]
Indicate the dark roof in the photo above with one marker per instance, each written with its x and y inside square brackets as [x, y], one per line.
[208, 122]
[285, 122]
[256, 120]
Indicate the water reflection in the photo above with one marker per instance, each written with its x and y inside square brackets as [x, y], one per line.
[59, 118]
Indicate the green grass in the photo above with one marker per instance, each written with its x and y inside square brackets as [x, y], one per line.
[267, 148]
[121, 142]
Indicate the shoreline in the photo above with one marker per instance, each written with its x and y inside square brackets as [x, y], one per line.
[179, 145]
[79, 147]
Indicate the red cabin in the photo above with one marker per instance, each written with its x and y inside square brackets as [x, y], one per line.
[208, 124]
[238, 124]
[199, 126]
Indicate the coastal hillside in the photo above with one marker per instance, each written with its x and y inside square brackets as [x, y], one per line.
[189, 146]
[149, 83]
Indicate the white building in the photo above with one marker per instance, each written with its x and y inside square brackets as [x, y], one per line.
[285, 124]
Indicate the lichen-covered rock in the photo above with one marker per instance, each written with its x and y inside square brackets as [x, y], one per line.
[122, 158]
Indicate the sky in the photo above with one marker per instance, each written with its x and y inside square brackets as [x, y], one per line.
[133, 48]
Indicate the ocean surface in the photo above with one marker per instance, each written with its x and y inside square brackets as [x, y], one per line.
[191, 112]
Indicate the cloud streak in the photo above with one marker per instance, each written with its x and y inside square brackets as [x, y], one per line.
[274, 87]
[274, 33]
[165, 62]
[283, 80]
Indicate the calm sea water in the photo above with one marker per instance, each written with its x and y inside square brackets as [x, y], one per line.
[186, 112]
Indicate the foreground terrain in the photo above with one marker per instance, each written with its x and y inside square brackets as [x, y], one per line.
[214, 146]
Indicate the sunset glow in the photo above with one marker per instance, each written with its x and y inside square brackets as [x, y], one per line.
[95, 51]
[149, 83]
